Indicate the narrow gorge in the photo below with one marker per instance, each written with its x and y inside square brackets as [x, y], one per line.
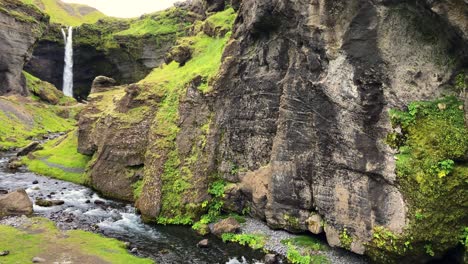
[307, 131]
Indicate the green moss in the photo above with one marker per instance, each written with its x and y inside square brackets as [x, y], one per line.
[42, 238]
[345, 239]
[296, 255]
[432, 173]
[60, 159]
[170, 21]
[254, 241]
[67, 13]
[292, 221]
[222, 21]
[307, 242]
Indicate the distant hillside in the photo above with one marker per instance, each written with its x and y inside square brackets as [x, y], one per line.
[67, 14]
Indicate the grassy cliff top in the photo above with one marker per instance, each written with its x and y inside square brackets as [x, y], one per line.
[67, 14]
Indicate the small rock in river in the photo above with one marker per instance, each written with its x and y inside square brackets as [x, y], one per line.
[35, 182]
[3, 191]
[4, 253]
[203, 243]
[99, 202]
[270, 259]
[88, 201]
[134, 250]
[38, 260]
[127, 244]
[48, 203]
[36, 188]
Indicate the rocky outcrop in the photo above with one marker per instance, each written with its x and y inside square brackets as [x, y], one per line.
[15, 203]
[100, 84]
[21, 25]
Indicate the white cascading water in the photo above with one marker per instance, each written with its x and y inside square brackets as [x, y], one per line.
[68, 69]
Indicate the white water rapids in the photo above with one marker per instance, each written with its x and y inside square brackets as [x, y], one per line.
[68, 68]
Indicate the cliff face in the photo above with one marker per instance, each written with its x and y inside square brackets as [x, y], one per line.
[126, 50]
[302, 106]
[21, 25]
[296, 120]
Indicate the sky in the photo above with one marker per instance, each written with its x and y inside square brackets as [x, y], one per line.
[126, 8]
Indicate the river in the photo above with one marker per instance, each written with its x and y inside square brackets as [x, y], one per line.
[85, 209]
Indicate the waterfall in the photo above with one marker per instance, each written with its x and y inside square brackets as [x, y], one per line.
[68, 69]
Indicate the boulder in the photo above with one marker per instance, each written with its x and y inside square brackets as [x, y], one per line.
[15, 203]
[38, 260]
[4, 253]
[203, 243]
[228, 225]
[48, 203]
[180, 54]
[29, 148]
[102, 84]
[314, 224]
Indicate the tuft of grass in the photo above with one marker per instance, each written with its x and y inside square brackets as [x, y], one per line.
[42, 238]
[307, 242]
[253, 241]
[60, 159]
[67, 13]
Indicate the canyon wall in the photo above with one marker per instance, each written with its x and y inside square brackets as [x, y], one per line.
[20, 27]
[296, 120]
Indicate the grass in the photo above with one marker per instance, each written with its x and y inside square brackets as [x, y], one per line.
[69, 15]
[308, 242]
[22, 120]
[254, 241]
[222, 21]
[60, 159]
[165, 22]
[42, 238]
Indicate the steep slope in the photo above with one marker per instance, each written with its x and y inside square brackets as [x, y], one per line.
[67, 13]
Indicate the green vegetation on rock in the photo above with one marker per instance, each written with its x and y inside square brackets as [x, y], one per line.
[254, 241]
[170, 21]
[60, 159]
[295, 255]
[40, 238]
[67, 13]
[171, 81]
[432, 169]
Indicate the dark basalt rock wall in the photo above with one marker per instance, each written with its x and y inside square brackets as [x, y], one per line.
[302, 107]
[19, 30]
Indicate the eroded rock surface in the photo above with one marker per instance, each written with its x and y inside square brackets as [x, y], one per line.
[20, 27]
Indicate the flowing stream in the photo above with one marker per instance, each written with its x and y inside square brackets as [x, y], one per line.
[68, 68]
[85, 209]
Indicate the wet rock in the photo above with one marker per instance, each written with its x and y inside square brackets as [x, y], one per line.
[48, 203]
[15, 203]
[270, 259]
[4, 253]
[134, 250]
[203, 243]
[28, 149]
[101, 84]
[228, 225]
[99, 202]
[14, 163]
[127, 245]
[38, 260]
[35, 182]
[35, 188]
[87, 201]
[3, 191]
